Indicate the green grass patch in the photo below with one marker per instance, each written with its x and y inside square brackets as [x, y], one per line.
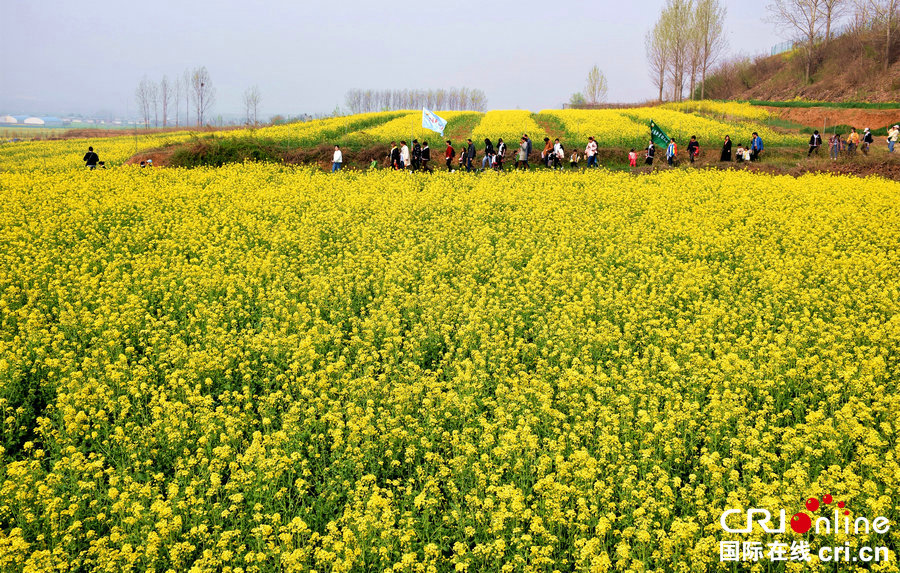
[218, 151]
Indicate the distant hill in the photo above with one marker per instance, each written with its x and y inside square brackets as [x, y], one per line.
[849, 68]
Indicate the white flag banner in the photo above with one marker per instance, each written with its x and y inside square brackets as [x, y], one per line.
[432, 121]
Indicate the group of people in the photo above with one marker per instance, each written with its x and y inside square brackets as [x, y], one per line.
[553, 154]
[750, 152]
[837, 144]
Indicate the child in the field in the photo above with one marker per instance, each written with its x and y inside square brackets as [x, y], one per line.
[632, 158]
[573, 160]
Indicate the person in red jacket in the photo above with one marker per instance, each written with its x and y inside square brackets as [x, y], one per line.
[449, 154]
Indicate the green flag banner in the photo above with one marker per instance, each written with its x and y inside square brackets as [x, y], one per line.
[658, 136]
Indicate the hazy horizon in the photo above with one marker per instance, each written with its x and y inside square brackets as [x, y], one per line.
[305, 58]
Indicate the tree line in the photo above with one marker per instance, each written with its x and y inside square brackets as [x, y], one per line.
[162, 103]
[458, 99]
[684, 43]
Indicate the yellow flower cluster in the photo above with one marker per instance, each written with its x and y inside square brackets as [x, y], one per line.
[711, 131]
[630, 126]
[323, 130]
[67, 154]
[725, 109]
[265, 368]
[610, 127]
[510, 125]
[62, 155]
[409, 126]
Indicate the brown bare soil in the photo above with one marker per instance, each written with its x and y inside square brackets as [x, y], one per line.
[160, 157]
[817, 116]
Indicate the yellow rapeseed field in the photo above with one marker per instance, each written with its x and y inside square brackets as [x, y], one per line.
[724, 109]
[510, 124]
[267, 368]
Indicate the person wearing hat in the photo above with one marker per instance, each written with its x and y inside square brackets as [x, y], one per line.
[893, 136]
[867, 140]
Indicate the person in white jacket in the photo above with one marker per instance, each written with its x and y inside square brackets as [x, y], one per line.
[893, 136]
[337, 160]
[558, 154]
[404, 155]
[591, 152]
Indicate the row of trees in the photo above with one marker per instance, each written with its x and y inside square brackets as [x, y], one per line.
[159, 103]
[686, 41]
[810, 23]
[465, 99]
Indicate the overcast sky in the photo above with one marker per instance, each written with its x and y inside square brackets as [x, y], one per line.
[62, 57]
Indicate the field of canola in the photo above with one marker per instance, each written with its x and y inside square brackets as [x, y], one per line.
[618, 128]
[266, 368]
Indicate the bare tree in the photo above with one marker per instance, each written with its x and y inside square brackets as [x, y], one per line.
[886, 17]
[802, 20]
[710, 23]
[176, 99]
[144, 96]
[596, 87]
[833, 9]
[655, 44]
[694, 50]
[186, 81]
[675, 22]
[202, 93]
[252, 98]
[166, 93]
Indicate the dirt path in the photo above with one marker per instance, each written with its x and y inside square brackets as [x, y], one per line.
[859, 118]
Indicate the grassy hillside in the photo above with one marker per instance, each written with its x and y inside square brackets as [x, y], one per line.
[849, 70]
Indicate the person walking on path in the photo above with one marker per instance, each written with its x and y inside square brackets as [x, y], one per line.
[546, 152]
[672, 153]
[470, 155]
[528, 144]
[852, 141]
[416, 155]
[522, 158]
[426, 157]
[651, 152]
[395, 156]
[404, 156]
[726, 149]
[501, 152]
[756, 147]
[693, 148]
[632, 158]
[867, 141]
[91, 159]
[573, 160]
[337, 160]
[449, 154]
[558, 154]
[815, 141]
[488, 160]
[834, 146]
[591, 152]
[893, 136]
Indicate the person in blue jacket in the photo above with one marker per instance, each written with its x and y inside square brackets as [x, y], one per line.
[756, 147]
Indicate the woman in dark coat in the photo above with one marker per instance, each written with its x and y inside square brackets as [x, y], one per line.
[726, 150]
